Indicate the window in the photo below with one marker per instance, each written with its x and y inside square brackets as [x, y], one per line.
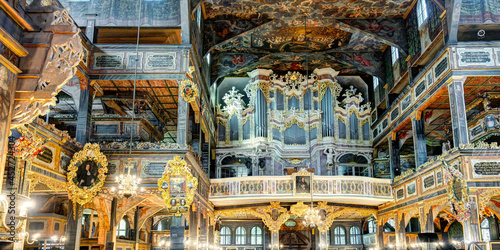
[339, 233]
[256, 236]
[421, 12]
[372, 228]
[394, 54]
[355, 233]
[122, 228]
[241, 236]
[390, 226]
[485, 230]
[225, 236]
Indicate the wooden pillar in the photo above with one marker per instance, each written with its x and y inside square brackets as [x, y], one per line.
[458, 114]
[182, 120]
[395, 160]
[275, 240]
[323, 240]
[84, 119]
[471, 227]
[137, 216]
[400, 232]
[73, 227]
[111, 234]
[419, 144]
[177, 233]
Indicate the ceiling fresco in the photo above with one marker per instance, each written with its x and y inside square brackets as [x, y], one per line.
[349, 36]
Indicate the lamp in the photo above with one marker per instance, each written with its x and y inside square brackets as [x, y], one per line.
[127, 184]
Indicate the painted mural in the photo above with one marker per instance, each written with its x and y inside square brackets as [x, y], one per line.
[290, 8]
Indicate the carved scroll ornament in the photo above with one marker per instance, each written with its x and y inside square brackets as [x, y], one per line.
[63, 55]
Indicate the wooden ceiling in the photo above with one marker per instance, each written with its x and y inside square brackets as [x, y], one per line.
[165, 93]
[146, 36]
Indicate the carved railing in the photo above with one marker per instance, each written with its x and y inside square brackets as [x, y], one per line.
[277, 187]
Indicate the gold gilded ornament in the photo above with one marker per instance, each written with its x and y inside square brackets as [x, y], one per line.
[177, 186]
[86, 174]
[189, 90]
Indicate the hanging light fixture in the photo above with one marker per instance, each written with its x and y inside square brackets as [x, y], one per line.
[128, 183]
[312, 217]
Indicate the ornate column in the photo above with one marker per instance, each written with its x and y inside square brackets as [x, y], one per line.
[458, 114]
[419, 140]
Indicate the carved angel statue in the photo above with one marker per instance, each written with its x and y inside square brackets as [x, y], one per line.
[329, 152]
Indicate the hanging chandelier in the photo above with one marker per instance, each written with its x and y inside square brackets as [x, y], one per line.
[312, 218]
[128, 183]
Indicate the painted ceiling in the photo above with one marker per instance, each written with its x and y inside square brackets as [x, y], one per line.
[349, 36]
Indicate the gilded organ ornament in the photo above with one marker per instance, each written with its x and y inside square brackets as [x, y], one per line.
[177, 186]
[86, 174]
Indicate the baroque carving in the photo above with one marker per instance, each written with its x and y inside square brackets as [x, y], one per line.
[63, 55]
[177, 185]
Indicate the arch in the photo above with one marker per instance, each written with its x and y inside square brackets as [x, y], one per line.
[122, 228]
[241, 236]
[163, 224]
[339, 235]
[355, 235]
[225, 236]
[256, 236]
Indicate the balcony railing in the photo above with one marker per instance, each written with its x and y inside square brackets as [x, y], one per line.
[330, 188]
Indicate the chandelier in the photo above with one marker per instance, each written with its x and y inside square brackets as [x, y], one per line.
[128, 183]
[312, 218]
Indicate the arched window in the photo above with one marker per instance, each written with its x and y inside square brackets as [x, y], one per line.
[355, 233]
[121, 230]
[256, 236]
[225, 236]
[339, 233]
[241, 236]
[485, 230]
[372, 228]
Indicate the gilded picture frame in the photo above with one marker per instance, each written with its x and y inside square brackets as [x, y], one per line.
[302, 183]
[86, 174]
[177, 186]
